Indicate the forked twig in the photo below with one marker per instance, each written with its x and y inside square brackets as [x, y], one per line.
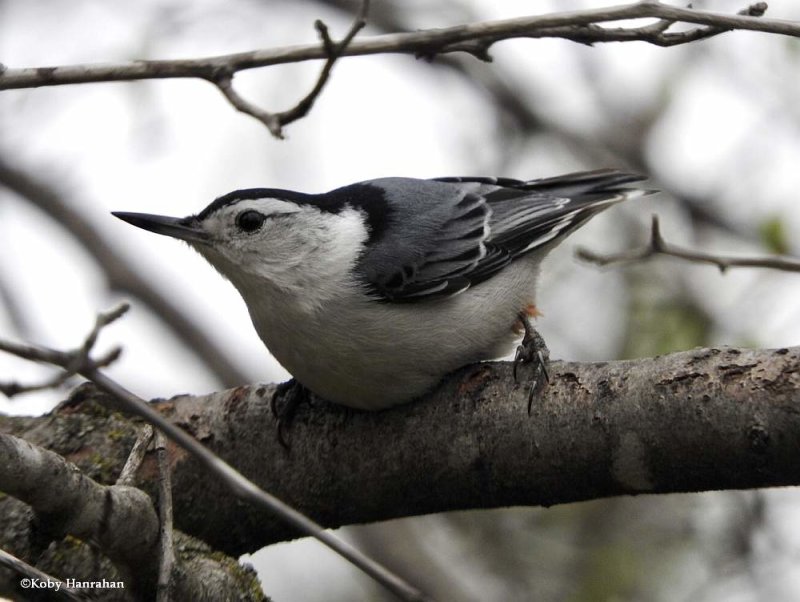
[275, 121]
[659, 246]
[78, 358]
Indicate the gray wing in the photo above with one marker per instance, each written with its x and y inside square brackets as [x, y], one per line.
[446, 235]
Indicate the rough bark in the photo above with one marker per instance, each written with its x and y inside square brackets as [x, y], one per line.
[121, 520]
[75, 527]
[691, 421]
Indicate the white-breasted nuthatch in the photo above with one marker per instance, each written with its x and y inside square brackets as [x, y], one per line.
[369, 294]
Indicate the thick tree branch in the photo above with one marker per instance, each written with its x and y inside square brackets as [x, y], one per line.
[119, 519]
[475, 38]
[692, 421]
[659, 246]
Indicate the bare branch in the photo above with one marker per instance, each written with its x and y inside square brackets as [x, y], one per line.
[697, 420]
[120, 520]
[334, 51]
[419, 43]
[655, 33]
[276, 121]
[79, 358]
[234, 480]
[474, 38]
[225, 85]
[34, 575]
[127, 475]
[659, 246]
[167, 548]
[103, 319]
[12, 388]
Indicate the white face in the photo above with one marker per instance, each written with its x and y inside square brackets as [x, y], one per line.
[296, 248]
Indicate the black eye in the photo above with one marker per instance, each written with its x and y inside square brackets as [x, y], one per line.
[250, 221]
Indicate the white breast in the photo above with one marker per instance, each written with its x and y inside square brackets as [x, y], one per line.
[372, 355]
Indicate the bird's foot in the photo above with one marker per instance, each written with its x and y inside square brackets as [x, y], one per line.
[284, 403]
[533, 350]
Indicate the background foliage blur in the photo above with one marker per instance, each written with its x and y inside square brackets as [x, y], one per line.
[716, 124]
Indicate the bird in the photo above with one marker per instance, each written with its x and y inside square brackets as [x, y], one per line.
[371, 293]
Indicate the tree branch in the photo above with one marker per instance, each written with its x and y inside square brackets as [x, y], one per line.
[127, 475]
[475, 38]
[659, 246]
[655, 33]
[698, 420]
[75, 360]
[423, 42]
[120, 520]
[166, 545]
[275, 121]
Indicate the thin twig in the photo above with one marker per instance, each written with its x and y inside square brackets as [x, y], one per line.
[165, 516]
[233, 479]
[35, 579]
[127, 475]
[103, 319]
[12, 388]
[475, 38]
[334, 51]
[659, 246]
[225, 84]
[275, 121]
[79, 357]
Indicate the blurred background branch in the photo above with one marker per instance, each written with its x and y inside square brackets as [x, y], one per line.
[659, 246]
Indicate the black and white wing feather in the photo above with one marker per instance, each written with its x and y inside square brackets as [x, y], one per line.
[443, 236]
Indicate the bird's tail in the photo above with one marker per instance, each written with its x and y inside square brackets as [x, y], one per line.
[587, 187]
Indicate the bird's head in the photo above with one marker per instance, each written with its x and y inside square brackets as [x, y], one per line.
[260, 237]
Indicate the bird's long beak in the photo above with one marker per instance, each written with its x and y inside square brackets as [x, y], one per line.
[177, 227]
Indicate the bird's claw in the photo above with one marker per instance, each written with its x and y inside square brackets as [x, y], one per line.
[532, 349]
[291, 393]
